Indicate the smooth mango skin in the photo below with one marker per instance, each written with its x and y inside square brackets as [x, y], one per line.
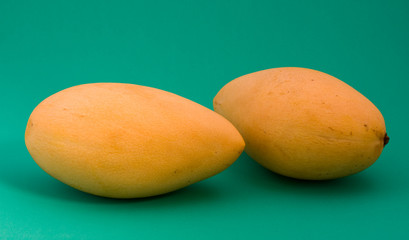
[128, 141]
[303, 123]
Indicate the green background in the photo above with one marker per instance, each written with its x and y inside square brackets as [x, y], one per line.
[193, 48]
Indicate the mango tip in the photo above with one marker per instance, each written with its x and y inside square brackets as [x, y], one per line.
[385, 139]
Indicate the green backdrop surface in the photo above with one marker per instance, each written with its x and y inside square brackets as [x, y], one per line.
[193, 48]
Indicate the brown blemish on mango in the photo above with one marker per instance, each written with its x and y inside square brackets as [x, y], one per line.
[386, 139]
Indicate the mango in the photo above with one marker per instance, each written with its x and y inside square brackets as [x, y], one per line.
[128, 141]
[303, 123]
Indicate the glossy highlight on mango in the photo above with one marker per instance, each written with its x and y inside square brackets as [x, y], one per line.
[303, 123]
[127, 141]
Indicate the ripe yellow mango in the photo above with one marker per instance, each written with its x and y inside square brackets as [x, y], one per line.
[303, 123]
[126, 141]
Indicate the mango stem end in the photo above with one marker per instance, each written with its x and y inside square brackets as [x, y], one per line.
[385, 139]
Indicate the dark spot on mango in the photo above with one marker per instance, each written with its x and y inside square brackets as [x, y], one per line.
[385, 139]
